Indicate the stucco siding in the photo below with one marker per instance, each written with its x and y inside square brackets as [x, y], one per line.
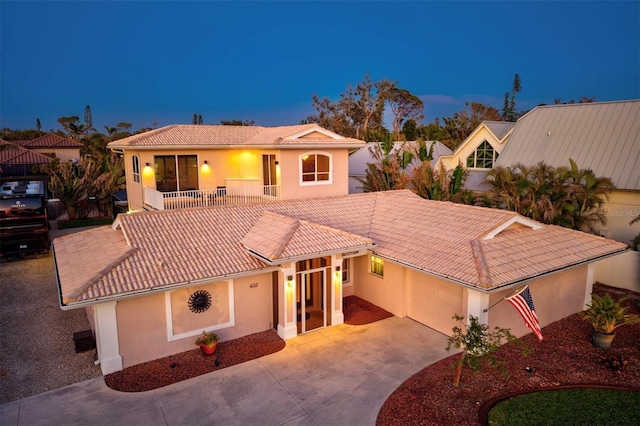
[621, 271]
[290, 186]
[387, 292]
[145, 333]
[555, 297]
[433, 301]
[622, 207]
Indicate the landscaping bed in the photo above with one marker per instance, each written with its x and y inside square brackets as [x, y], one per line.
[175, 368]
[566, 356]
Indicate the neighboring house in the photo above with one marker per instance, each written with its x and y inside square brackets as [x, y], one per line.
[601, 136]
[479, 152]
[359, 160]
[154, 280]
[53, 145]
[18, 162]
[182, 166]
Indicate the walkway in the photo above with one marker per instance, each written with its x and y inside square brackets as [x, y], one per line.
[338, 376]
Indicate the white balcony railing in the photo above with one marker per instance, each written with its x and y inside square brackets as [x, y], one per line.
[210, 197]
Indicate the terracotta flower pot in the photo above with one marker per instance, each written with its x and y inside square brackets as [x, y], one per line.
[601, 340]
[208, 350]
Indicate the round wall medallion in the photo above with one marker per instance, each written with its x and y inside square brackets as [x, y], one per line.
[199, 301]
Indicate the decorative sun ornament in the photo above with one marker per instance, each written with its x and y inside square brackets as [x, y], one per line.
[199, 301]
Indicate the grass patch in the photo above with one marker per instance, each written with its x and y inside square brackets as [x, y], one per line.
[569, 407]
[80, 223]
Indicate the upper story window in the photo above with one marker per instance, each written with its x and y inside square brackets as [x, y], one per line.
[483, 157]
[377, 266]
[136, 168]
[315, 168]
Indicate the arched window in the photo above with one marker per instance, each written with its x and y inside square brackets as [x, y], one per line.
[315, 168]
[483, 157]
[136, 168]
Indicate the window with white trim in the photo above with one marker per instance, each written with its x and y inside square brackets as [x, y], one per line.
[315, 168]
[483, 157]
[136, 168]
[377, 266]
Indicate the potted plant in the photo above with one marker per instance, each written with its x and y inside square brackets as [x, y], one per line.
[605, 315]
[207, 342]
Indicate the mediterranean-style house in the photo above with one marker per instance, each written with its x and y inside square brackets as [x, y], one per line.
[18, 162]
[152, 281]
[52, 146]
[360, 159]
[183, 166]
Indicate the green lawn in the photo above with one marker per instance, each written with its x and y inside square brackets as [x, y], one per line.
[569, 407]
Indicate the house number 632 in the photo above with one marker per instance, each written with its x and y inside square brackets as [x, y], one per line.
[253, 285]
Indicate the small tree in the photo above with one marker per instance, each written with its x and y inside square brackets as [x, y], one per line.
[476, 342]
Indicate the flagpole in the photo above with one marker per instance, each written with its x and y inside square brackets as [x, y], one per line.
[504, 298]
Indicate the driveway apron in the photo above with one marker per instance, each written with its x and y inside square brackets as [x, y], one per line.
[337, 376]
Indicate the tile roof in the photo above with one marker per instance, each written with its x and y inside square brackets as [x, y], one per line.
[149, 250]
[277, 237]
[51, 140]
[16, 155]
[601, 136]
[188, 135]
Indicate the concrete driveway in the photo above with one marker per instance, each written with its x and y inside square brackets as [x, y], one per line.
[338, 376]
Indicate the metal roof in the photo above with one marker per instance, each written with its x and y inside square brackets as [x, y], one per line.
[602, 136]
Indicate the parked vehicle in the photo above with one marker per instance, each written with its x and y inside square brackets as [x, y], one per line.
[24, 227]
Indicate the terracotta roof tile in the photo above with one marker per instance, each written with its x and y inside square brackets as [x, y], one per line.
[51, 140]
[17, 155]
[177, 247]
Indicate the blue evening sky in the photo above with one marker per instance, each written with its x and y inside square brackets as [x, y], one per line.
[148, 61]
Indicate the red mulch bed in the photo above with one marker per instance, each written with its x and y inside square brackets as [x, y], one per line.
[175, 368]
[566, 356]
[359, 312]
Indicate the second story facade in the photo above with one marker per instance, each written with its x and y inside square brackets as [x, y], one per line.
[181, 166]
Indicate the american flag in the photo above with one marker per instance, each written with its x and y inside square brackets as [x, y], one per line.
[523, 303]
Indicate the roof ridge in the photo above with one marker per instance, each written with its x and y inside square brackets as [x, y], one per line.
[482, 268]
[286, 238]
[331, 229]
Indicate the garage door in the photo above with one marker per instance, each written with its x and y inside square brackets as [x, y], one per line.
[433, 302]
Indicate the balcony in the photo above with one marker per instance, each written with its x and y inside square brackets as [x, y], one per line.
[222, 196]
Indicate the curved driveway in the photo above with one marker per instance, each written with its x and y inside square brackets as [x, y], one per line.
[337, 376]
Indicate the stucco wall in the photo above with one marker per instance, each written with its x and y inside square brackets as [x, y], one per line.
[555, 297]
[621, 208]
[387, 292]
[621, 271]
[144, 333]
[433, 301]
[290, 169]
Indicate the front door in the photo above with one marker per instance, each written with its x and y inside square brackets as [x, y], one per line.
[311, 294]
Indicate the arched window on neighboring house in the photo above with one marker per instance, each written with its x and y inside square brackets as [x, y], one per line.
[315, 168]
[136, 168]
[483, 157]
